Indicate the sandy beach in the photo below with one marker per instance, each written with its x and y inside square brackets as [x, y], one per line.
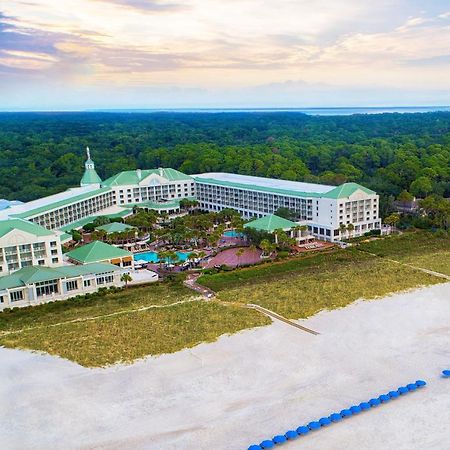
[248, 387]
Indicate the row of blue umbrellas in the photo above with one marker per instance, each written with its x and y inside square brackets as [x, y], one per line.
[446, 373]
[336, 417]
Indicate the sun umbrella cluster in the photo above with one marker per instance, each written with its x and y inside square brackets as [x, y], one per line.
[336, 417]
[446, 373]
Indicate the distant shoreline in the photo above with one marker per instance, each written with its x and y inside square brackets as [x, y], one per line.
[311, 111]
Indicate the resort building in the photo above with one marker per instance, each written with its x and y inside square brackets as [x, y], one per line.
[24, 244]
[100, 252]
[326, 209]
[35, 285]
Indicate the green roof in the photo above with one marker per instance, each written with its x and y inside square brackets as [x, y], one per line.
[131, 177]
[80, 223]
[96, 251]
[36, 274]
[252, 187]
[270, 223]
[90, 177]
[65, 237]
[28, 227]
[345, 190]
[61, 203]
[115, 227]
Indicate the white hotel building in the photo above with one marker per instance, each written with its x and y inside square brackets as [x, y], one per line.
[323, 208]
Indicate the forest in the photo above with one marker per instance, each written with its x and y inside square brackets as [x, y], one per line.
[43, 153]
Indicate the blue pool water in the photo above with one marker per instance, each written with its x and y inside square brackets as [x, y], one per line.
[232, 233]
[152, 257]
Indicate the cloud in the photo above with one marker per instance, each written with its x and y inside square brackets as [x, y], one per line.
[147, 5]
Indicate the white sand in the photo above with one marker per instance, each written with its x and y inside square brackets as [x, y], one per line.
[248, 387]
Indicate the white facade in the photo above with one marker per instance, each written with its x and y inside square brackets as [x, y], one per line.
[324, 208]
[23, 248]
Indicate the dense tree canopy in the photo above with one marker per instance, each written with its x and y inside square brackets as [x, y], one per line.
[43, 153]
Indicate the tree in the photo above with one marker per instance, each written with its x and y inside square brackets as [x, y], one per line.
[239, 253]
[285, 213]
[392, 219]
[76, 236]
[350, 229]
[421, 187]
[405, 196]
[126, 278]
[342, 229]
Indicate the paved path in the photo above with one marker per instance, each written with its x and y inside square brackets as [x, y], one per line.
[191, 283]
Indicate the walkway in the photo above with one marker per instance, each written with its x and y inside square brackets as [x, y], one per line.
[191, 283]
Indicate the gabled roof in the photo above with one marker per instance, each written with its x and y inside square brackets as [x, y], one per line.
[347, 189]
[270, 223]
[134, 177]
[36, 274]
[115, 227]
[28, 227]
[96, 251]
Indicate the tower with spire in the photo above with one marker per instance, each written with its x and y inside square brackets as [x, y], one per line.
[90, 176]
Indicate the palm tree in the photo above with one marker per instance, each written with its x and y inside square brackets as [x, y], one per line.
[239, 253]
[350, 228]
[126, 278]
[265, 246]
[343, 229]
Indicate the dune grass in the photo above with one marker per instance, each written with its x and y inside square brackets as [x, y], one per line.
[101, 303]
[420, 249]
[128, 337]
[322, 282]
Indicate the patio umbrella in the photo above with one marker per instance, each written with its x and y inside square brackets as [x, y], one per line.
[402, 390]
[364, 405]
[446, 373]
[267, 444]
[254, 447]
[314, 425]
[421, 383]
[302, 430]
[355, 409]
[291, 434]
[279, 439]
[394, 394]
[384, 398]
[335, 417]
[374, 402]
[411, 386]
[324, 421]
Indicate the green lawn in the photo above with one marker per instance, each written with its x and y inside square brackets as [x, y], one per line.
[301, 288]
[420, 249]
[131, 336]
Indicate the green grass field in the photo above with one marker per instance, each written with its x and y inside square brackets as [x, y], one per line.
[128, 337]
[420, 249]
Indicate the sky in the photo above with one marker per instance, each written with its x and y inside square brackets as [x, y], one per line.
[84, 54]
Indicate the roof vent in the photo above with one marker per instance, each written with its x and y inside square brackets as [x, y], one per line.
[139, 173]
[161, 172]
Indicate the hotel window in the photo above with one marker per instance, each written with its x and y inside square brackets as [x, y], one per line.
[2, 299]
[55, 260]
[16, 296]
[46, 287]
[72, 285]
[53, 244]
[87, 283]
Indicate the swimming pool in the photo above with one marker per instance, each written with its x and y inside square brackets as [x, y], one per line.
[233, 233]
[152, 257]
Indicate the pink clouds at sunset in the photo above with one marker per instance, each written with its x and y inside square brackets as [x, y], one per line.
[116, 53]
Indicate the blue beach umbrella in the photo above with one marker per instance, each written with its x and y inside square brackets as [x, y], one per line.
[384, 398]
[254, 447]
[335, 417]
[411, 386]
[446, 373]
[355, 409]
[267, 444]
[374, 401]
[346, 413]
[279, 439]
[402, 390]
[420, 383]
[302, 430]
[324, 421]
[364, 405]
[394, 394]
[291, 434]
[314, 425]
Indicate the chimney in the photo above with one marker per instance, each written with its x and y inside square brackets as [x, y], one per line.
[161, 172]
[139, 173]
